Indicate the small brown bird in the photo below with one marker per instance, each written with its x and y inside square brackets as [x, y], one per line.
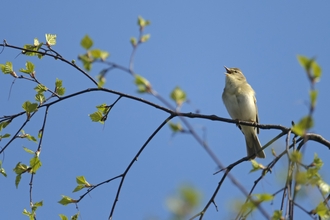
[241, 104]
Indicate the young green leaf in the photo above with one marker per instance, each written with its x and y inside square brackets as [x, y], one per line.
[322, 210]
[17, 180]
[35, 207]
[36, 42]
[2, 67]
[29, 68]
[60, 91]
[87, 61]
[255, 166]
[29, 47]
[301, 178]
[264, 197]
[99, 54]
[101, 114]
[58, 82]
[324, 187]
[4, 136]
[317, 71]
[96, 53]
[182, 204]
[175, 127]
[63, 217]
[39, 97]
[2, 170]
[104, 108]
[142, 83]
[277, 215]
[66, 200]
[26, 212]
[31, 138]
[20, 168]
[304, 124]
[35, 47]
[81, 180]
[40, 133]
[28, 136]
[38, 204]
[35, 164]
[86, 42]
[29, 214]
[28, 150]
[145, 38]
[50, 39]
[190, 195]
[4, 124]
[311, 67]
[30, 107]
[305, 62]
[296, 156]
[75, 217]
[313, 176]
[8, 69]
[78, 188]
[317, 162]
[58, 87]
[96, 116]
[313, 97]
[40, 88]
[142, 22]
[178, 95]
[133, 41]
[100, 80]
[104, 55]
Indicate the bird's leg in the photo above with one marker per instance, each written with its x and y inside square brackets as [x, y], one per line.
[255, 127]
[237, 123]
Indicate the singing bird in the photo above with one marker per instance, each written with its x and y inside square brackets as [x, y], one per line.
[241, 104]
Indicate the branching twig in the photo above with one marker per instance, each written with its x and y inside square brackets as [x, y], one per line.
[96, 186]
[57, 56]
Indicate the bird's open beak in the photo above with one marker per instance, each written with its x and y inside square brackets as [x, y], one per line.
[227, 69]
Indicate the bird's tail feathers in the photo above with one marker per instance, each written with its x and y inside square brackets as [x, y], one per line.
[253, 145]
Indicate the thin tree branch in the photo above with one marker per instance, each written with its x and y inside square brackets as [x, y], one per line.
[134, 160]
[96, 186]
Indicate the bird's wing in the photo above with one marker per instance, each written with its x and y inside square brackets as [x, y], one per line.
[257, 117]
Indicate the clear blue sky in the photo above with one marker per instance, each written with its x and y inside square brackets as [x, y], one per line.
[190, 43]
